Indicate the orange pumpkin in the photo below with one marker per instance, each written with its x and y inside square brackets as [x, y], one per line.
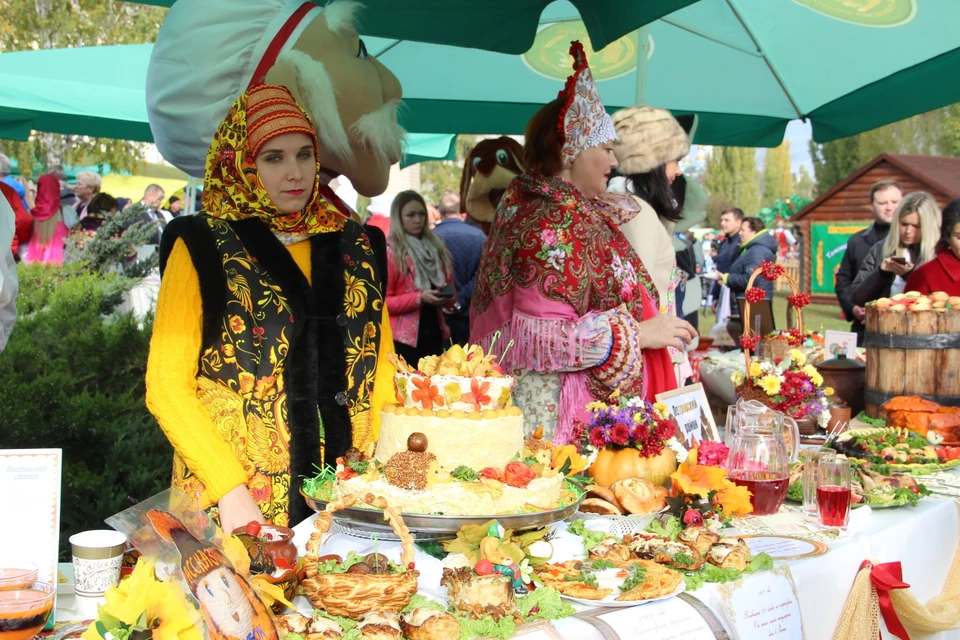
[617, 464]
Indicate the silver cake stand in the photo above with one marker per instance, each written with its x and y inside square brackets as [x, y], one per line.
[361, 522]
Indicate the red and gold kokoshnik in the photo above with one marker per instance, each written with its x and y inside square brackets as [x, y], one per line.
[271, 112]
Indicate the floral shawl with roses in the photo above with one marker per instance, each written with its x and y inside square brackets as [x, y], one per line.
[554, 267]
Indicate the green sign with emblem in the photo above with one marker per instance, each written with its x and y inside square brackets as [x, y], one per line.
[828, 243]
[549, 56]
[867, 13]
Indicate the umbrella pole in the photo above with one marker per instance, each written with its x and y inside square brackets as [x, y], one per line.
[643, 56]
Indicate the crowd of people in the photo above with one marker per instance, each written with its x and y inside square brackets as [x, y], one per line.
[52, 214]
[911, 246]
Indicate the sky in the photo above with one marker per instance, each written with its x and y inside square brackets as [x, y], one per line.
[799, 134]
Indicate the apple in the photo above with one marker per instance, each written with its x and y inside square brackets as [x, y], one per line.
[898, 307]
[913, 294]
[939, 296]
[883, 303]
[920, 307]
[898, 297]
[940, 304]
[954, 301]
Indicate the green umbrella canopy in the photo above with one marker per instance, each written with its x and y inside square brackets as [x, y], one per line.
[747, 67]
[40, 90]
[506, 26]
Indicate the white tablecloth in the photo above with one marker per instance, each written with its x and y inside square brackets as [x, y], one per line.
[924, 539]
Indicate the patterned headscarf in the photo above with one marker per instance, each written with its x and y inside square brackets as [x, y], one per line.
[232, 189]
[584, 123]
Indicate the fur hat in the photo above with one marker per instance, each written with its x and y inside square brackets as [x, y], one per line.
[647, 138]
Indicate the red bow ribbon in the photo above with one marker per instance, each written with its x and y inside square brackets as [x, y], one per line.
[885, 577]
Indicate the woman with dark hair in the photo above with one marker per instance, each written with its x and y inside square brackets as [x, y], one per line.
[756, 246]
[943, 272]
[419, 280]
[558, 280]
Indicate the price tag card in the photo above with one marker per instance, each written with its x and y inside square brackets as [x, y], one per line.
[764, 606]
[683, 617]
[30, 502]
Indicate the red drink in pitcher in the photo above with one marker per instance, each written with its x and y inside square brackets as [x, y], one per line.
[767, 493]
[833, 503]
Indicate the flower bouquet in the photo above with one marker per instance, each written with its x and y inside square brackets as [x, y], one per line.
[791, 386]
[628, 438]
[701, 490]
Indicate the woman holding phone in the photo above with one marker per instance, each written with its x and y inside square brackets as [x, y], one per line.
[419, 282]
[912, 241]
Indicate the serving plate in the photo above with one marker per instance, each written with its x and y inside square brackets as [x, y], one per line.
[361, 522]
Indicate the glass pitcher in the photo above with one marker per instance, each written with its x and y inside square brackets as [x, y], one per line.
[754, 413]
[759, 461]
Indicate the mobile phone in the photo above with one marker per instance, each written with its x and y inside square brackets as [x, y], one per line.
[898, 259]
[446, 291]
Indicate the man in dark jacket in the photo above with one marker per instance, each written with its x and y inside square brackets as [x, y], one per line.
[884, 198]
[465, 243]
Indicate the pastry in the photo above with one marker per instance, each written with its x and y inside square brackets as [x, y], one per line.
[729, 553]
[323, 628]
[380, 626]
[700, 538]
[638, 496]
[568, 579]
[612, 550]
[292, 623]
[675, 554]
[476, 595]
[599, 506]
[429, 624]
[657, 581]
[603, 493]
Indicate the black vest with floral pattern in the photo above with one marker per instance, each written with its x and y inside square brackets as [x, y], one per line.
[286, 369]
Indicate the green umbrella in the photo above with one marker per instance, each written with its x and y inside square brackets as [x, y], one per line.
[507, 26]
[40, 90]
[747, 67]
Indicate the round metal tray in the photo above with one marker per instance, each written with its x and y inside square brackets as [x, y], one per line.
[360, 522]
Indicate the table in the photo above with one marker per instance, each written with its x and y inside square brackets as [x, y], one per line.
[924, 539]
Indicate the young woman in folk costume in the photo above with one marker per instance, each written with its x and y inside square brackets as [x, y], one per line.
[650, 143]
[270, 312]
[560, 280]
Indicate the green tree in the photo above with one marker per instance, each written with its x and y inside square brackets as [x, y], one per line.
[804, 184]
[936, 132]
[54, 24]
[731, 179]
[438, 176]
[777, 178]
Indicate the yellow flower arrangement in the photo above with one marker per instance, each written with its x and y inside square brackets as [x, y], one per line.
[755, 369]
[699, 480]
[662, 410]
[162, 607]
[770, 384]
[797, 356]
[738, 377]
[828, 391]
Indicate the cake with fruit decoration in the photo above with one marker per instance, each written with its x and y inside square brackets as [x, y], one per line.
[454, 444]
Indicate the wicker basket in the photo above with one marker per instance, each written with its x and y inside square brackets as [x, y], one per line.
[774, 348]
[748, 331]
[353, 595]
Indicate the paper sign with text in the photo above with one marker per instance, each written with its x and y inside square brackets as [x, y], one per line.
[30, 479]
[671, 619]
[690, 409]
[764, 607]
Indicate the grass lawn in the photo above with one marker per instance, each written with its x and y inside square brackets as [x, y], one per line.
[816, 317]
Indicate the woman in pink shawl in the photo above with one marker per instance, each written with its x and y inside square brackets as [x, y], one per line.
[561, 282]
[49, 226]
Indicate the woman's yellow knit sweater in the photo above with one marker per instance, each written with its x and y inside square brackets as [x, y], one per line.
[172, 376]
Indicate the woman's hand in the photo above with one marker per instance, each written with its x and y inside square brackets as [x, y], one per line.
[713, 275]
[665, 330]
[237, 508]
[891, 265]
[431, 298]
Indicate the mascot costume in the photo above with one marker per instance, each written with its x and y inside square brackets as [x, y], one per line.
[490, 166]
[268, 354]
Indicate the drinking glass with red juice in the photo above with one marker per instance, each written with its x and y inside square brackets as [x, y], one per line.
[833, 493]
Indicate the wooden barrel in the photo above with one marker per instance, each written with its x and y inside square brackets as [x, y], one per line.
[912, 353]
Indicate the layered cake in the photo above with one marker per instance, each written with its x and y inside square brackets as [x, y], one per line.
[453, 444]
